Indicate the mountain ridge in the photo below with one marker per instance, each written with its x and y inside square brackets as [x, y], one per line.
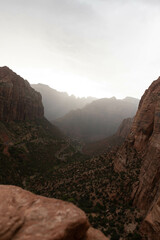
[97, 120]
[56, 103]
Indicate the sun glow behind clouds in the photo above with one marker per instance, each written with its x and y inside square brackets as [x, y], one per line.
[70, 83]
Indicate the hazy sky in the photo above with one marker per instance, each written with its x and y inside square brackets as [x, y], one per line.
[101, 48]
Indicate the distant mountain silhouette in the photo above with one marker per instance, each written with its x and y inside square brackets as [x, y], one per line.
[57, 104]
[97, 120]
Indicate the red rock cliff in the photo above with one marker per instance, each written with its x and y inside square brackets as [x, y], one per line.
[144, 139]
[18, 101]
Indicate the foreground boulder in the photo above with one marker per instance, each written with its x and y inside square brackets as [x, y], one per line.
[26, 216]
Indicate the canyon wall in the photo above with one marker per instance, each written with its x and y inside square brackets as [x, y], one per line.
[18, 101]
[144, 141]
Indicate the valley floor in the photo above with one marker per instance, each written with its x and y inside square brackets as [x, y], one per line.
[94, 186]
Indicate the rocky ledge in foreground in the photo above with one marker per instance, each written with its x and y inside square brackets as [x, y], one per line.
[27, 216]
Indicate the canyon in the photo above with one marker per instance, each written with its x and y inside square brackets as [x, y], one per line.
[97, 120]
[119, 189]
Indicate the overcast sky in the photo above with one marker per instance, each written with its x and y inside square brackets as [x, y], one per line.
[100, 48]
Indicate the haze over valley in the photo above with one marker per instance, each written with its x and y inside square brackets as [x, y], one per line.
[86, 119]
[97, 120]
[57, 104]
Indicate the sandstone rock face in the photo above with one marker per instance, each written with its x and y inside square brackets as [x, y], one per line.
[146, 125]
[18, 101]
[124, 128]
[144, 139]
[26, 216]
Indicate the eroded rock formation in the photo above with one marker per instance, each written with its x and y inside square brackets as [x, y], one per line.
[27, 216]
[124, 128]
[18, 101]
[144, 140]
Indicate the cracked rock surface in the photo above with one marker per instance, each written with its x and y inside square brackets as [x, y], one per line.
[27, 216]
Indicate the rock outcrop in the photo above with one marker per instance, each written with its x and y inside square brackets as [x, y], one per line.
[27, 216]
[144, 140]
[124, 128]
[18, 101]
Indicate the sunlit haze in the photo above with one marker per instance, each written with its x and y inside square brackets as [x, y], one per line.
[95, 48]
